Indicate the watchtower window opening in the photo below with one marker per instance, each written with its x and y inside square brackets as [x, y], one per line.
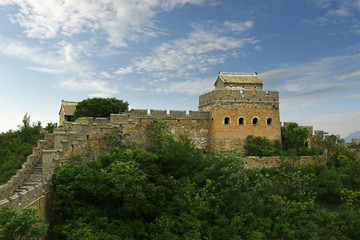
[241, 121]
[227, 121]
[255, 121]
[269, 121]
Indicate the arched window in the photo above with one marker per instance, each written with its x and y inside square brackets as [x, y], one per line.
[255, 121]
[269, 121]
[241, 121]
[226, 120]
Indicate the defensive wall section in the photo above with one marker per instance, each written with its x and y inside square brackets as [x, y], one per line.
[24, 172]
[275, 161]
[86, 137]
[194, 124]
[23, 190]
[238, 96]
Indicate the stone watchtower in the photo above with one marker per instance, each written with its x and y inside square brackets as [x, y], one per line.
[239, 107]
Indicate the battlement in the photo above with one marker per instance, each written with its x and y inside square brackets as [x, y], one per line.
[137, 114]
[240, 96]
[7, 189]
[134, 116]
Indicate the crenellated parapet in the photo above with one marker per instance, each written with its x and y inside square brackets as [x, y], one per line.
[136, 114]
[238, 96]
[7, 189]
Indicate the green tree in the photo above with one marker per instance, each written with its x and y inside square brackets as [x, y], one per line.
[100, 107]
[258, 146]
[16, 145]
[175, 191]
[50, 127]
[294, 138]
[24, 224]
[158, 133]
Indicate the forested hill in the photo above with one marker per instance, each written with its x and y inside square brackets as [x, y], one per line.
[16, 145]
[172, 190]
[169, 189]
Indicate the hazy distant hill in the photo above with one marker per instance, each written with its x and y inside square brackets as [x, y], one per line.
[352, 135]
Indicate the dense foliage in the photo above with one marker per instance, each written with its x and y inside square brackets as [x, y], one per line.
[295, 140]
[17, 145]
[24, 225]
[100, 107]
[174, 191]
[261, 146]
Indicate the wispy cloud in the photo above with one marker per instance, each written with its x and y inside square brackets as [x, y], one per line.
[202, 48]
[339, 11]
[20, 50]
[192, 87]
[99, 88]
[123, 71]
[61, 26]
[64, 61]
[120, 20]
[308, 85]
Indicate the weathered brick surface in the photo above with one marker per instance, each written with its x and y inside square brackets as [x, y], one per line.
[233, 135]
[274, 161]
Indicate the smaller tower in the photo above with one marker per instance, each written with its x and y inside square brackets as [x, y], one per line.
[66, 112]
[239, 107]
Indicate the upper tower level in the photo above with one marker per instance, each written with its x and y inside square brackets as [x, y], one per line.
[238, 81]
[238, 88]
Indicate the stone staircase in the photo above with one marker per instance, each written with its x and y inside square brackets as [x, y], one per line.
[33, 179]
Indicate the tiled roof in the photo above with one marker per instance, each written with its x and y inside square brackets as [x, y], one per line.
[69, 107]
[239, 78]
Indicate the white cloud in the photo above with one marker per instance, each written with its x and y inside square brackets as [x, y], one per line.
[239, 26]
[96, 87]
[350, 75]
[339, 11]
[18, 49]
[192, 87]
[201, 49]
[123, 71]
[120, 20]
[105, 75]
[315, 93]
[319, 74]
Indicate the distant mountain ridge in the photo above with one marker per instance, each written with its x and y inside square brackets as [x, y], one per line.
[355, 134]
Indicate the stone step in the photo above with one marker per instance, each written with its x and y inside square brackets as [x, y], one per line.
[36, 170]
[33, 183]
[34, 178]
[22, 189]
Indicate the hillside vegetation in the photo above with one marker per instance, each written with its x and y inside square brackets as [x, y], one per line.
[17, 145]
[172, 190]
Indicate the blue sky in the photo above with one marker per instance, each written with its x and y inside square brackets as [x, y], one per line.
[162, 54]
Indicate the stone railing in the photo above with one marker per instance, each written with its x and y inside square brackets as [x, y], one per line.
[275, 161]
[7, 189]
[246, 96]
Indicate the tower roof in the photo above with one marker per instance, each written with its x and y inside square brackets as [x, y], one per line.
[239, 78]
[68, 107]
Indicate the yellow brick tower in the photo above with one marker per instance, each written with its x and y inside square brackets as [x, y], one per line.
[239, 107]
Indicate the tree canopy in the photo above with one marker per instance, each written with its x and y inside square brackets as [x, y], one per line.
[175, 191]
[261, 146]
[24, 225]
[100, 107]
[295, 139]
[17, 145]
